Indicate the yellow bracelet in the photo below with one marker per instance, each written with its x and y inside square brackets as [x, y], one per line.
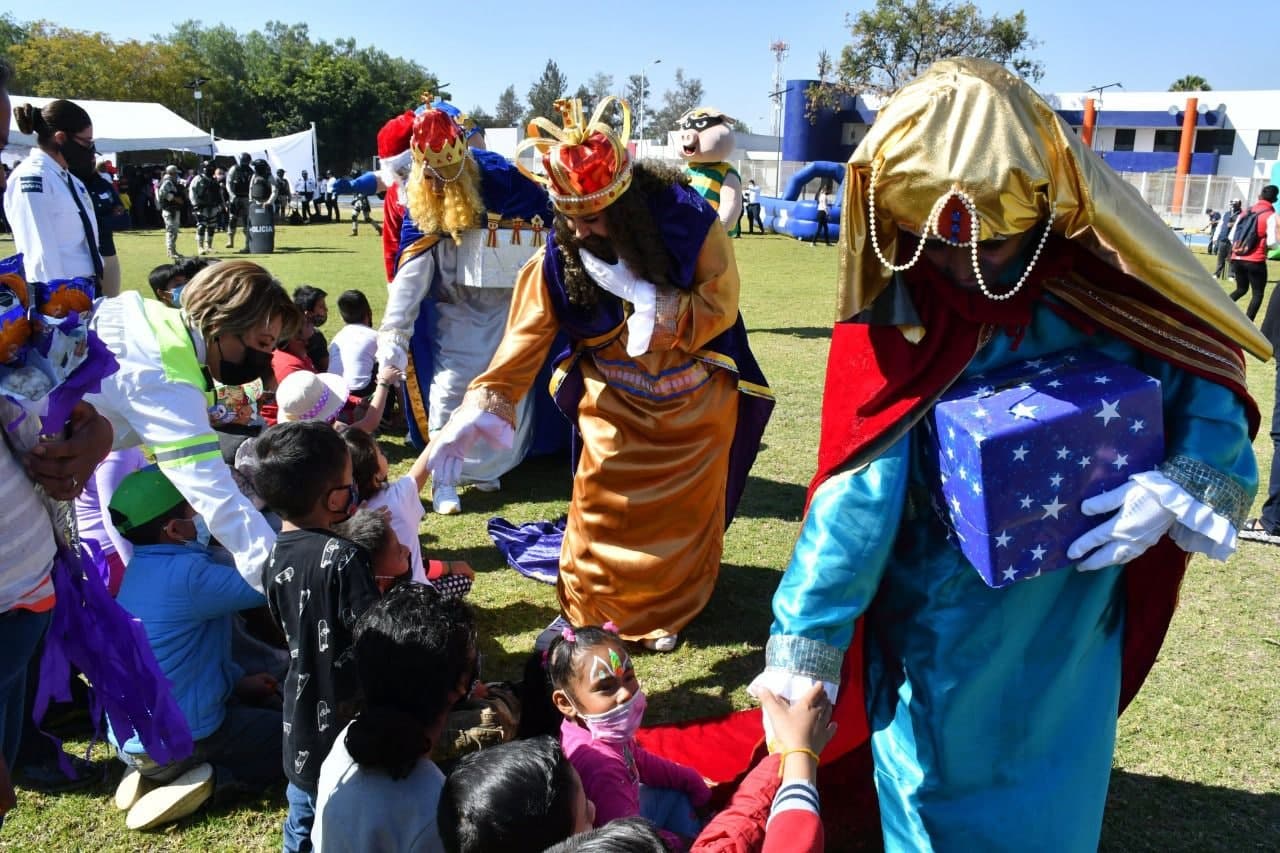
[782, 763]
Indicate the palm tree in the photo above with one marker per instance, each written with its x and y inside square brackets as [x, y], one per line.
[1190, 83]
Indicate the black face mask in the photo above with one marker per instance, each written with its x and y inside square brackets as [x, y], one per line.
[79, 159]
[253, 366]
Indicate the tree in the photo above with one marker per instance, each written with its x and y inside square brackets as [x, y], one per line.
[480, 117]
[509, 110]
[601, 86]
[584, 95]
[12, 32]
[269, 82]
[544, 93]
[62, 63]
[1190, 83]
[898, 39]
[640, 98]
[686, 95]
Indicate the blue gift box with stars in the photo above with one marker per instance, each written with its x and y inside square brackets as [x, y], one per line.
[1018, 449]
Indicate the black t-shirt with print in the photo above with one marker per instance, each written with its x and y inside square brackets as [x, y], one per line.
[317, 585]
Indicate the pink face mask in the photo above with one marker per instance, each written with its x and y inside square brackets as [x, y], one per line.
[619, 724]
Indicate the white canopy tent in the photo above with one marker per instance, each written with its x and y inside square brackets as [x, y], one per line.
[120, 126]
[293, 153]
[126, 126]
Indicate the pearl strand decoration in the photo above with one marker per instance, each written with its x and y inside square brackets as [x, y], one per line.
[930, 229]
[462, 168]
[875, 238]
[1026, 274]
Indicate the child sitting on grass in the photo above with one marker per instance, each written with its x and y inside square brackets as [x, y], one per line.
[371, 529]
[520, 797]
[401, 499]
[415, 653]
[306, 396]
[594, 687]
[317, 585]
[186, 603]
[486, 803]
[351, 352]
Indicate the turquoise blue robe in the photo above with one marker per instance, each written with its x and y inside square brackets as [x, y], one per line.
[992, 711]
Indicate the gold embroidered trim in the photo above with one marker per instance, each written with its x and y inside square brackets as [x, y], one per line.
[667, 311]
[489, 400]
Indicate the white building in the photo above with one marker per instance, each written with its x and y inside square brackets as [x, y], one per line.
[1235, 151]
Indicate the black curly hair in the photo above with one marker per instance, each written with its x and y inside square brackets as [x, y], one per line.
[633, 234]
[548, 671]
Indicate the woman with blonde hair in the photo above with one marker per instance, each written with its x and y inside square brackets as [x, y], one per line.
[233, 314]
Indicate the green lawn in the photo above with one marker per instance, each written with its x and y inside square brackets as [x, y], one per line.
[1196, 764]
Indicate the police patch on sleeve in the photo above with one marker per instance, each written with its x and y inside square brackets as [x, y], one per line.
[31, 184]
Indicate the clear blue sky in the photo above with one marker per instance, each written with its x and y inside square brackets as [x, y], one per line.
[480, 49]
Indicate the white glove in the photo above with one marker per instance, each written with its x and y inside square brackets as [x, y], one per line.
[391, 353]
[786, 685]
[1138, 525]
[619, 280]
[447, 450]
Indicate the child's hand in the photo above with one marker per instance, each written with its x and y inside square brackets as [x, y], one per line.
[461, 568]
[802, 724]
[257, 688]
[389, 374]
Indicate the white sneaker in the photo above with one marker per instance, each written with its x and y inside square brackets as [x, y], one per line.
[131, 788]
[445, 500]
[493, 485]
[171, 802]
[661, 644]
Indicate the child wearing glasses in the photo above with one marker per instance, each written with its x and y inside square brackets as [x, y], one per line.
[317, 585]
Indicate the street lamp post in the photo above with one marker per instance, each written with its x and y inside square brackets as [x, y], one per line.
[780, 49]
[644, 86]
[194, 86]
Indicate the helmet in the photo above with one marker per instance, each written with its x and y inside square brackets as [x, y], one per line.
[245, 158]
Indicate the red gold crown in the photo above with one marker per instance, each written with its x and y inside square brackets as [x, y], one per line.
[438, 143]
[585, 164]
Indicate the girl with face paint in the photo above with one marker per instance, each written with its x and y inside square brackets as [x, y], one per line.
[594, 686]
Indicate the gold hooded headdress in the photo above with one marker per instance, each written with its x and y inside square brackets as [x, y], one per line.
[970, 126]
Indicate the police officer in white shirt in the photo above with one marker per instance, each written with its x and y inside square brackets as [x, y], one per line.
[305, 186]
[47, 205]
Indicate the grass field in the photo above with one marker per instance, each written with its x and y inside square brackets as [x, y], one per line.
[1197, 765]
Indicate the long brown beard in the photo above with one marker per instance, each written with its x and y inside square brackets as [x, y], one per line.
[633, 237]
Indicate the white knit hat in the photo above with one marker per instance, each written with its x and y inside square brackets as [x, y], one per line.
[306, 396]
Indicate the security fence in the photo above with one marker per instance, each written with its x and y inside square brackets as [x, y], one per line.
[1199, 193]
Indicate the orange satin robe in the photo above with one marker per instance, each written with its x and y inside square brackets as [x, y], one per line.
[646, 523]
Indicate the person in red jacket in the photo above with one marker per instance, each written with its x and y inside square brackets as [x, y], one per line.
[1250, 269]
[394, 162]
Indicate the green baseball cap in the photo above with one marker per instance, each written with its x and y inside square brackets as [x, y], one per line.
[144, 496]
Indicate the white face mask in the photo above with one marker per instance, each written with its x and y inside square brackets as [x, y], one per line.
[619, 724]
[202, 533]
